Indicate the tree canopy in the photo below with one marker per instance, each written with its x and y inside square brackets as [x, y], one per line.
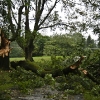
[25, 18]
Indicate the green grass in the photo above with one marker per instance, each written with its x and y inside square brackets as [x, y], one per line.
[37, 59]
[17, 59]
[41, 58]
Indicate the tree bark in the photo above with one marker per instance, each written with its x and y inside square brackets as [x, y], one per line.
[35, 68]
[4, 51]
[29, 48]
[29, 51]
[4, 63]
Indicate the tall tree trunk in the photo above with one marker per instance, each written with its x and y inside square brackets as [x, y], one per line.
[28, 54]
[29, 50]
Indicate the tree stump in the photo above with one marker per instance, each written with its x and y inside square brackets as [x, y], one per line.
[4, 51]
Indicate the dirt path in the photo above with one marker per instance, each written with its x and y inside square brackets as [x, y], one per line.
[48, 93]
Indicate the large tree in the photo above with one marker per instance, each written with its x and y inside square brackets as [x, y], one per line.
[65, 45]
[24, 19]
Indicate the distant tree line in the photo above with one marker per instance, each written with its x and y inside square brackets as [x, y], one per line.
[58, 44]
[16, 50]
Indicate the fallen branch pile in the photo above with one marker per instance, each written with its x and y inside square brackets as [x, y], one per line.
[57, 72]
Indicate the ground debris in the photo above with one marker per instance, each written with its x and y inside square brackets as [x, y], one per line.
[48, 93]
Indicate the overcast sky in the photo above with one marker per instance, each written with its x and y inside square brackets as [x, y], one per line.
[49, 32]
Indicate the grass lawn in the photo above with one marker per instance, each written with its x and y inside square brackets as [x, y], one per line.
[37, 59]
[17, 59]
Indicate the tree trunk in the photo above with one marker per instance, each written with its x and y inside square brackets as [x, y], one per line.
[4, 51]
[29, 51]
[55, 73]
[4, 63]
[29, 48]
[28, 54]
[58, 72]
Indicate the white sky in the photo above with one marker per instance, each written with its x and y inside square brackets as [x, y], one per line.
[49, 32]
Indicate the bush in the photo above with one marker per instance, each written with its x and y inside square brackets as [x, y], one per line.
[25, 80]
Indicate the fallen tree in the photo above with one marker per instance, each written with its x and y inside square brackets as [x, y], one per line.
[90, 76]
[57, 72]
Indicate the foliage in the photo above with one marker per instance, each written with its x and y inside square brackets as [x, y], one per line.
[49, 79]
[25, 80]
[65, 45]
[39, 44]
[16, 50]
[75, 83]
[17, 20]
[90, 96]
[18, 23]
[93, 7]
[90, 42]
[5, 85]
